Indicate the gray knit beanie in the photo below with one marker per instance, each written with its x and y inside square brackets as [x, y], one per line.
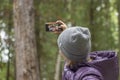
[75, 43]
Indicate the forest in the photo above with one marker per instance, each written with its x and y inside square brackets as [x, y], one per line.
[25, 46]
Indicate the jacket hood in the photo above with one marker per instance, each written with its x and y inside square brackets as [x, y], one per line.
[106, 62]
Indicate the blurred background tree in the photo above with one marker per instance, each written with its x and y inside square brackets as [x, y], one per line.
[100, 16]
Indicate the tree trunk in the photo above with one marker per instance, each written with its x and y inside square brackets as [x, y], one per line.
[37, 33]
[57, 69]
[9, 42]
[25, 43]
[118, 8]
[91, 21]
[8, 63]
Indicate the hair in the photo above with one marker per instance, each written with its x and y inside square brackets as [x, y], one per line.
[70, 62]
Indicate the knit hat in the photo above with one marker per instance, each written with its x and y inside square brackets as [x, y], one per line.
[75, 43]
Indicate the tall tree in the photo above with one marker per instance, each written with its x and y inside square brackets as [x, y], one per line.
[25, 43]
[118, 9]
[9, 41]
[38, 31]
[91, 20]
[101, 25]
[57, 69]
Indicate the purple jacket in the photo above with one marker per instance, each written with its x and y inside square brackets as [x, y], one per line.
[104, 66]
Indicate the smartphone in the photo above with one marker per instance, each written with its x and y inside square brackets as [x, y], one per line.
[52, 26]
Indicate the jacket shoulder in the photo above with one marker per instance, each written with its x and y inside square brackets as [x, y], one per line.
[85, 73]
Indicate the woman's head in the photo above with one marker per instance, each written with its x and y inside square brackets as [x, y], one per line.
[75, 43]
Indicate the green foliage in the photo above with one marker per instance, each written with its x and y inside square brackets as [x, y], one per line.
[2, 71]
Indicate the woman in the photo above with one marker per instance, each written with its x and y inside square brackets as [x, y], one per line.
[75, 45]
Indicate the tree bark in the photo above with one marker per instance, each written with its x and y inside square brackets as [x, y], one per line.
[91, 21]
[37, 33]
[8, 63]
[118, 9]
[8, 44]
[57, 69]
[25, 43]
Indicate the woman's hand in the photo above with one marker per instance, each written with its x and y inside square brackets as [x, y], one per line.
[63, 26]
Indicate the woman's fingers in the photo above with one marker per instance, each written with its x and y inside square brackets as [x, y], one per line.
[62, 24]
[59, 22]
[61, 27]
